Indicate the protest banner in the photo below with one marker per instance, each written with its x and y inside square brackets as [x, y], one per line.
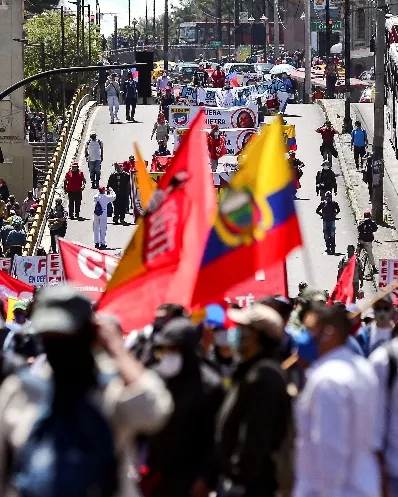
[12, 288]
[235, 139]
[55, 272]
[89, 270]
[233, 117]
[5, 264]
[388, 272]
[31, 269]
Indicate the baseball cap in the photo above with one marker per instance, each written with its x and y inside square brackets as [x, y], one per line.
[20, 305]
[101, 189]
[93, 132]
[60, 309]
[260, 318]
[215, 315]
[178, 332]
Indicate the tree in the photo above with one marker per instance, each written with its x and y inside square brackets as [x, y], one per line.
[46, 28]
[39, 6]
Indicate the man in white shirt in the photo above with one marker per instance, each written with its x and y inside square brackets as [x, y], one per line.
[101, 201]
[162, 82]
[112, 89]
[336, 415]
[385, 362]
[228, 98]
[94, 156]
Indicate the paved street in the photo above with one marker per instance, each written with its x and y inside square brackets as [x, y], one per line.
[118, 139]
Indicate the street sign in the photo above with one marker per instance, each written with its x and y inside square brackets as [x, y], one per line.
[321, 26]
[321, 5]
[215, 44]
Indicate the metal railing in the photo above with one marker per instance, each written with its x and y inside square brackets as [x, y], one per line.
[54, 168]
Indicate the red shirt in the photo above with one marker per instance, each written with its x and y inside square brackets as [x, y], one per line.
[218, 78]
[216, 146]
[74, 181]
[129, 166]
[327, 134]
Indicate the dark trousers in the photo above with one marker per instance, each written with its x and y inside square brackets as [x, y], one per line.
[75, 201]
[60, 232]
[329, 232]
[131, 104]
[331, 86]
[13, 251]
[119, 208]
[359, 152]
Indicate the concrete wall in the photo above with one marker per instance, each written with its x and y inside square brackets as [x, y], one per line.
[17, 171]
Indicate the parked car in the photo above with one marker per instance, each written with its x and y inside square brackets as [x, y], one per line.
[247, 73]
[185, 72]
[368, 95]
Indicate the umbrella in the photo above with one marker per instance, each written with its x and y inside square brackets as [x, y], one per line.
[281, 68]
[338, 48]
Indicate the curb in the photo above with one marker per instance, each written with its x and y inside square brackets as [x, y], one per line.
[347, 180]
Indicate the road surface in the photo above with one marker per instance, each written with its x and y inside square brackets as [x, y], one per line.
[321, 268]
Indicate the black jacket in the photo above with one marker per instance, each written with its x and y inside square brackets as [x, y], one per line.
[119, 182]
[326, 181]
[184, 450]
[200, 77]
[328, 210]
[366, 228]
[257, 406]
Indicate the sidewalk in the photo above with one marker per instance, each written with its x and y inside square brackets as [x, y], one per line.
[357, 190]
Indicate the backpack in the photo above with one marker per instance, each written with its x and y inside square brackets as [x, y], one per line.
[77, 442]
[365, 230]
[98, 210]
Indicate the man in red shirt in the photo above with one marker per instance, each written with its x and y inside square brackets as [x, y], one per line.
[218, 78]
[216, 146]
[74, 184]
[129, 165]
[327, 148]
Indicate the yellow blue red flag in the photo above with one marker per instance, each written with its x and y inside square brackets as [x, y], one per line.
[256, 225]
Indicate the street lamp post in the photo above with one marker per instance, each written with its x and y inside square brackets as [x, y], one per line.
[135, 36]
[264, 20]
[251, 21]
[166, 35]
[347, 123]
[84, 62]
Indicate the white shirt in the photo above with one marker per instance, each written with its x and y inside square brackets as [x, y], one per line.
[94, 150]
[387, 426]
[201, 96]
[378, 335]
[104, 199]
[228, 99]
[336, 424]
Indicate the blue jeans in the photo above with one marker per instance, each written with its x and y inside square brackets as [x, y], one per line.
[329, 232]
[393, 486]
[95, 170]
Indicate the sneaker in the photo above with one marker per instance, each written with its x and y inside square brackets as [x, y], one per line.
[112, 121]
[102, 246]
[97, 245]
[375, 270]
[71, 218]
[133, 120]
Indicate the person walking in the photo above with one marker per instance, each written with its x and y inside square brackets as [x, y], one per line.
[331, 76]
[94, 153]
[57, 221]
[337, 414]
[112, 89]
[327, 148]
[253, 420]
[162, 83]
[101, 201]
[161, 129]
[359, 142]
[328, 209]
[74, 184]
[166, 100]
[130, 92]
[16, 239]
[27, 204]
[218, 77]
[119, 182]
[215, 146]
[325, 180]
[358, 272]
[366, 229]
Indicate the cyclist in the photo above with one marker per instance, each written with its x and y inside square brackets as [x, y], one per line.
[325, 180]
[327, 148]
[328, 209]
[358, 272]
[366, 228]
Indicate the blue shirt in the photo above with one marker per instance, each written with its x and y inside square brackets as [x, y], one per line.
[16, 237]
[359, 137]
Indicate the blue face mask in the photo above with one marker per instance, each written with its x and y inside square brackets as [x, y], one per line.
[234, 338]
[307, 348]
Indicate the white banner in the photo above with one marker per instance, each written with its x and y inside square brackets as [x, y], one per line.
[31, 269]
[233, 117]
[214, 96]
[236, 138]
[388, 272]
[55, 271]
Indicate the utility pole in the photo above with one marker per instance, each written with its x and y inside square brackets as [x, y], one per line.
[378, 138]
[45, 99]
[78, 11]
[154, 22]
[129, 13]
[115, 33]
[237, 23]
[84, 62]
[276, 29]
[166, 35]
[328, 29]
[347, 123]
[218, 21]
[146, 22]
[307, 51]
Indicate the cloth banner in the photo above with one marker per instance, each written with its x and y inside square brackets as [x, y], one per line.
[5, 264]
[233, 117]
[38, 270]
[388, 272]
[235, 138]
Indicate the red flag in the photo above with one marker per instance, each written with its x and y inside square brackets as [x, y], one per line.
[344, 289]
[89, 270]
[160, 264]
[11, 287]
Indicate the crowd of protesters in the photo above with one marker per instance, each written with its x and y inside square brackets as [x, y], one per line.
[286, 397]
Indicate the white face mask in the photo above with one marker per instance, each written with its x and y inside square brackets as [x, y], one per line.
[170, 365]
[221, 338]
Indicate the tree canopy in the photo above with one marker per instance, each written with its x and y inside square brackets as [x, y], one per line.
[46, 28]
[39, 6]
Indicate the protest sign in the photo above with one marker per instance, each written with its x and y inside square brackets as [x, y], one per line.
[31, 269]
[233, 117]
[5, 264]
[235, 139]
[388, 272]
[55, 272]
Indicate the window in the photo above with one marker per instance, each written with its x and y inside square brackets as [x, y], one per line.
[361, 24]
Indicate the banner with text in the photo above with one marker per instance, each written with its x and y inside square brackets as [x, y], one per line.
[39, 270]
[388, 272]
[233, 117]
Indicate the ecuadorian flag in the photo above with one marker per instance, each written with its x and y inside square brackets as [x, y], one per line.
[256, 225]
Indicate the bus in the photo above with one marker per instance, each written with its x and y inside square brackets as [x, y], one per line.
[391, 79]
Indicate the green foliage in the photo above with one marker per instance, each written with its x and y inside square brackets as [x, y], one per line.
[39, 6]
[46, 28]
